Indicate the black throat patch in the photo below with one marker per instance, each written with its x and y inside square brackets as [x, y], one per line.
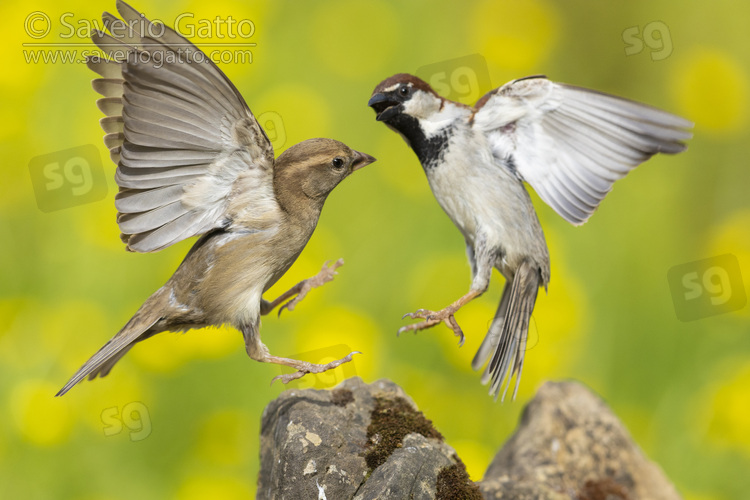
[429, 151]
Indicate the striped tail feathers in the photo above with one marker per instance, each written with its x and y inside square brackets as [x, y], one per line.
[492, 339]
[101, 363]
[506, 339]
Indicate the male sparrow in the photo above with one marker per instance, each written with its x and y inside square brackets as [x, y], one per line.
[570, 144]
[192, 160]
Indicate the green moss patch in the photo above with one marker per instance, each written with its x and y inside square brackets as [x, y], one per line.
[453, 483]
[391, 421]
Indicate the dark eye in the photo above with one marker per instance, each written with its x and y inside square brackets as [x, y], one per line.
[337, 163]
[404, 90]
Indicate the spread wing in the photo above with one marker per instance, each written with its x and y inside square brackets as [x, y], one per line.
[181, 134]
[571, 144]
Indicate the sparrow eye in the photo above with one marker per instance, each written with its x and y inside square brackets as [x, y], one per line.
[337, 163]
[404, 91]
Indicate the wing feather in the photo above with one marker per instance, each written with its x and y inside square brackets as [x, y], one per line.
[571, 144]
[180, 132]
[152, 219]
[143, 200]
[112, 124]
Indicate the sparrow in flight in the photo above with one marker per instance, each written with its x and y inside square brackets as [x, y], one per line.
[192, 160]
[568, 143]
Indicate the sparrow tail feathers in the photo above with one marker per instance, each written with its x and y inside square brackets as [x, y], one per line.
[510, 344]
[100, 364]
[492, 339]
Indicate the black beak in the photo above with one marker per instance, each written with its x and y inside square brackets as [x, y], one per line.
[384, 106]
[361, 160]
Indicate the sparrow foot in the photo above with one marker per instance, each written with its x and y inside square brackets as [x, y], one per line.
[432, 318]
[299, 291]
[304, 367]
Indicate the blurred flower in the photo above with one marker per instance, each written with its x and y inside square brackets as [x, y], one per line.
[165, 352]
[332, 326]
[61, 328]
[712, 89]
[121, 387]
[732, 236]
[225, 438]
[514, 36]
[727, 405]
[40, 418]
[215, 343]
[17, 74]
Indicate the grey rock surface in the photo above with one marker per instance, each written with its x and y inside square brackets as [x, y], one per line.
[365, 442]
[569, 444]
[315, 445]
[410, 472]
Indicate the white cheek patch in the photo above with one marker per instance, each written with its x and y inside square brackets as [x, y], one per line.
[422, 105]
[442, 118]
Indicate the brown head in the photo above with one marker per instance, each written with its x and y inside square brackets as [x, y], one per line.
[307, 172]
[410, 107]
[404, 94]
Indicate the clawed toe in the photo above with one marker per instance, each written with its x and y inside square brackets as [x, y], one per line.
[453, 325]
[304, 368]
[288, 377]
[422, 325]
[325, 275]
[419, 314]
[290, 305]
[432, 318]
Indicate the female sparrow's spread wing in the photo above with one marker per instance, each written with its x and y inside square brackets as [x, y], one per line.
[571, 144]
[185, 142]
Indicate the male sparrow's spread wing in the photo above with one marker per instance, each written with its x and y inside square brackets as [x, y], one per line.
[571, 144]
[184, 140]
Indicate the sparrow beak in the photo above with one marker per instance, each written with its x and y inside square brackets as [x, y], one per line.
[384, 106]
[361, 160]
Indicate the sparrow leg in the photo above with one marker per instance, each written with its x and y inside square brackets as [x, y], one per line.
[258, 351]
[305, 367]
[445, 315]
[481, 258]
[300, 290]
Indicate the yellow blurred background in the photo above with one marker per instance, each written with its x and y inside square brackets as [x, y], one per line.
[179, 417]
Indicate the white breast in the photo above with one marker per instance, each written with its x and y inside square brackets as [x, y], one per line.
[478, 194]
